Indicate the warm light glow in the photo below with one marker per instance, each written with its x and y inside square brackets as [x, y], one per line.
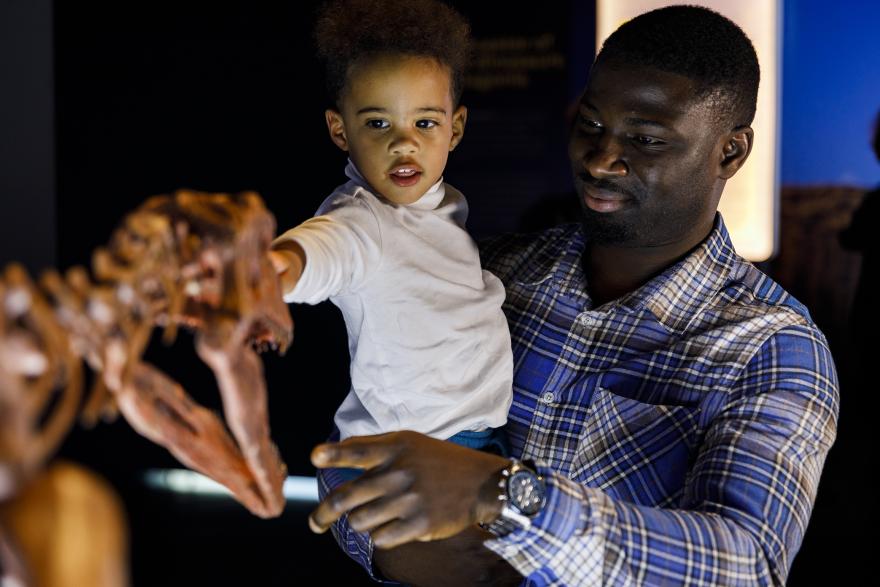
[188, 482]
[750, 201]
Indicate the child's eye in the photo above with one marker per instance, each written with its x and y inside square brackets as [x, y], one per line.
[589, 125]
[378, 123]
[426, 123]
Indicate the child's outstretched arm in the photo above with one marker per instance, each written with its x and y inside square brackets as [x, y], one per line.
[330, 254]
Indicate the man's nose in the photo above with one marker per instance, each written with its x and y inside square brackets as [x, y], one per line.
[404, 141]
[605, 159]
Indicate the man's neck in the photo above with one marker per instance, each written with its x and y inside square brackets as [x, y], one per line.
[614, 271]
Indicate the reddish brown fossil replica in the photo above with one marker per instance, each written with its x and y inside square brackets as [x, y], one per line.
[191, 259]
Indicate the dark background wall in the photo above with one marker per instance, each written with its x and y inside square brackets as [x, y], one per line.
[27, 172]
[152, 96]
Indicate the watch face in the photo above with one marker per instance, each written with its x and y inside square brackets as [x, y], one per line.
[525, 492]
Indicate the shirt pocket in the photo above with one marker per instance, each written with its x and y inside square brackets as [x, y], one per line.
[635, 451]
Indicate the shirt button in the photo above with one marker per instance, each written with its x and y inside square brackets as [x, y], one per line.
[586, 320]
[547, 398]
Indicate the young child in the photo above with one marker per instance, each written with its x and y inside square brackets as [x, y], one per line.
[430, 348]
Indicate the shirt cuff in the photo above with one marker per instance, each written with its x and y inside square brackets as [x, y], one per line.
[295, 295]
[566, 513]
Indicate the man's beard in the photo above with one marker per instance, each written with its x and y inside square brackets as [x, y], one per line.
[600, 229]
[610, 228]
[639, 226]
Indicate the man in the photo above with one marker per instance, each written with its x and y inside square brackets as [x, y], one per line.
[673, 405]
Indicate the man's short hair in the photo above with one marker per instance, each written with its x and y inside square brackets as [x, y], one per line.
[697, 43]
[352, 31]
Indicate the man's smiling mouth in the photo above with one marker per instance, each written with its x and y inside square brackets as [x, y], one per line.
[602, 200]
[601, 195]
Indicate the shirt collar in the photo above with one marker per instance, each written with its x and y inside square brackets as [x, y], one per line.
[430, 200]
[674, 297]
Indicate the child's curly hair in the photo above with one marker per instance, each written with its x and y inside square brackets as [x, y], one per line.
[349, 31]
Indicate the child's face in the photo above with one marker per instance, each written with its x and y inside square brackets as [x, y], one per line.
[397, 124]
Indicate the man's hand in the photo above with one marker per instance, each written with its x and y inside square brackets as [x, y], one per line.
[414, 487]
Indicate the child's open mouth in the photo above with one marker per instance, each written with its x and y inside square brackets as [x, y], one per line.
[405, 175]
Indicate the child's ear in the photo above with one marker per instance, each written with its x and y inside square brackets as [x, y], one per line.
[459, 119]
[336, 128]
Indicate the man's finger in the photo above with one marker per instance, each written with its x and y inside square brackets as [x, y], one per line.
[370, 516]
[356, 493]
[359, 452]
[399, 532]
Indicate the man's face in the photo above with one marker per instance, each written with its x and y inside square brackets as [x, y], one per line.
[645, 157]
[398, 123]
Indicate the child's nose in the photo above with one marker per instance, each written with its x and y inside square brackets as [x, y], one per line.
[404, 142]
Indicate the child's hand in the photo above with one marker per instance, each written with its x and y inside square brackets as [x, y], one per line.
[289, 260]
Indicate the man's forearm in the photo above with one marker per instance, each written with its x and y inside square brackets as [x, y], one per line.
[460, 560]
[591, 539]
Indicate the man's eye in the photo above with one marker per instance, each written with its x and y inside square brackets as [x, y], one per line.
[645, 140]
[426, 123]
[378, 123]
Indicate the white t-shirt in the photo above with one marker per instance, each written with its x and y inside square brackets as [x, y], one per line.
[430, 348]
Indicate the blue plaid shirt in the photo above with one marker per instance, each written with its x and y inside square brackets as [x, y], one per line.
[681, 429]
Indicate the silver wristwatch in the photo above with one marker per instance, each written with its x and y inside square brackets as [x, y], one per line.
[524, 495]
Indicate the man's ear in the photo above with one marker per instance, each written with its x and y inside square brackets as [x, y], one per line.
[459, 119]
[336, 128]
[735, 150]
